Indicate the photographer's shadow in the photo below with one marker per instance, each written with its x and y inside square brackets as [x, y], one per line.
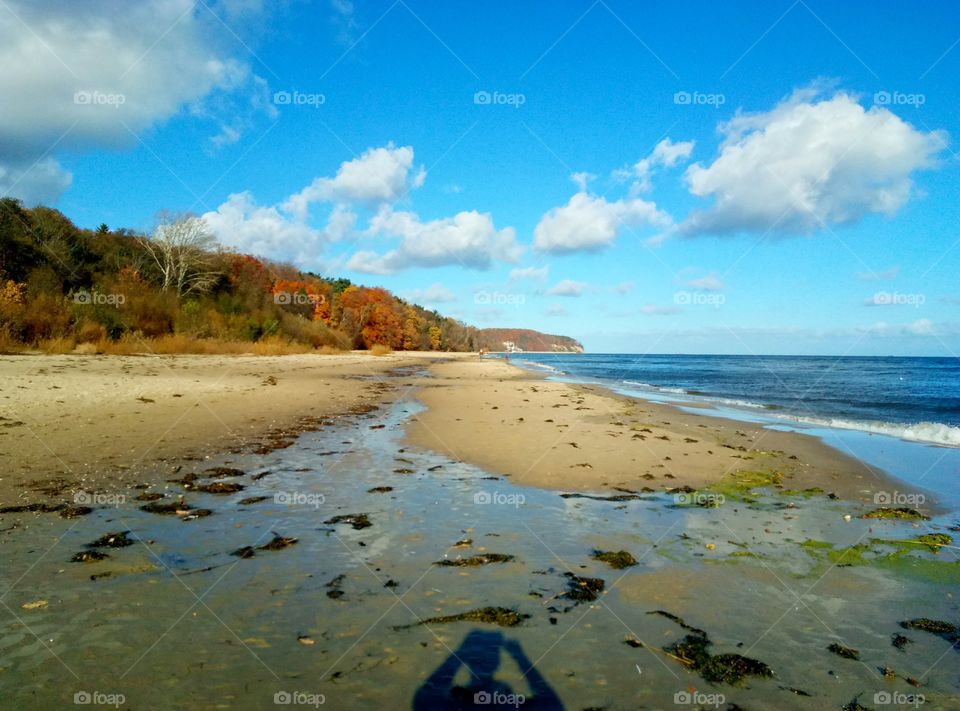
[480, 653]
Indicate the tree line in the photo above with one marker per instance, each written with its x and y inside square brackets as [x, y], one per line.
[62, 286]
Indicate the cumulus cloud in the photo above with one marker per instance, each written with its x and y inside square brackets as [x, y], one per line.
[433, 294]
[269, 231]
[809, 162]
[665, 154]
[381, 175]
[568, 287]
[590, 223]
[65, 96]
[535, 273]
[708, 282]
[468, 239]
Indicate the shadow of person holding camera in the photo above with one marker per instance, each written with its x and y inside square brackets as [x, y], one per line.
[480, 653]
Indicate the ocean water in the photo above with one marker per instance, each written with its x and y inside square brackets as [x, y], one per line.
[915, 399]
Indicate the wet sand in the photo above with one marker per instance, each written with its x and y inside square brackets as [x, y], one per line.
[585, 438]
[106, 422]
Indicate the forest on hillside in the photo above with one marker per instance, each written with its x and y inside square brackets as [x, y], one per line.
[65, 289]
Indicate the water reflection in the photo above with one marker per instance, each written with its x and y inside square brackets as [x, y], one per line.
[480, 654]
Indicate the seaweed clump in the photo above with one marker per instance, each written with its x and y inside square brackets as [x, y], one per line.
[358, 521]
[582, 589]
[902, 513]
[112, 540]
[693, 652]
[617, 560]
[500, 616]
[474, 560]
[845, 652]
[943, 630]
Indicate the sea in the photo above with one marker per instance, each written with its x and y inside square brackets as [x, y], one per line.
[899, 413]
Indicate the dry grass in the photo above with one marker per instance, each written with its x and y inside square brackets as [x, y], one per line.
[57, 346]
[379, 349]
[9, 344]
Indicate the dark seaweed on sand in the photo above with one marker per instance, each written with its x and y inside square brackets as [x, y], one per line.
[112, 540]
[479, 559]
[845, 652]
[616, 560]
[581, 589]
[500, 616]
[693, 651]
[943, 630]
[358, 521]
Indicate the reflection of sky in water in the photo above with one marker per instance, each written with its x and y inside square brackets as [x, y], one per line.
[239, 644]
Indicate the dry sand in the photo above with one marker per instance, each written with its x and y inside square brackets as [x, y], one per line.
[104, 422]
[572, 437]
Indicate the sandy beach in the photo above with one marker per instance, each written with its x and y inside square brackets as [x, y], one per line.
[107, 422]
[576, 437]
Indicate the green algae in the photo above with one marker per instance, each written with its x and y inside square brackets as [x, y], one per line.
[475, 560]
[900, 556]
[902, 513]
[500, 616]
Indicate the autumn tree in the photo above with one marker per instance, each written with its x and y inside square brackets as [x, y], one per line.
[435, 334]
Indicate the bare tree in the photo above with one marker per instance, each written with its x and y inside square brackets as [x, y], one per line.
[182, 249]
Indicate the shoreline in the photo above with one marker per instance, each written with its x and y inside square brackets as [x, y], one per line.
[110, 423]
[585, 437]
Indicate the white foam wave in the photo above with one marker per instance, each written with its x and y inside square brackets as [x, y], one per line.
[927, 432]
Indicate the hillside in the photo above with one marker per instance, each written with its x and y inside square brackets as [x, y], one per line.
[64, 288]
[525, 339]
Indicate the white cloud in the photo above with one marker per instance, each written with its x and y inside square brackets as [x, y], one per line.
[889, 275]
[806, 163]
[557, 310]
[88, 74]
[267, 231]
[655, 310]
[709, 282]
[568, 287]
[469, 239]
[582, 179]
[589, 223]
[666, 154]
[433, 294]
[536, 273]
[624, 287]
[380, 175]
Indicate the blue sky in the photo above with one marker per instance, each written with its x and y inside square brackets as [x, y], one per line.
[745, 177]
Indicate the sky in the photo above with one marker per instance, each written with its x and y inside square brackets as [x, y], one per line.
[776, 177]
